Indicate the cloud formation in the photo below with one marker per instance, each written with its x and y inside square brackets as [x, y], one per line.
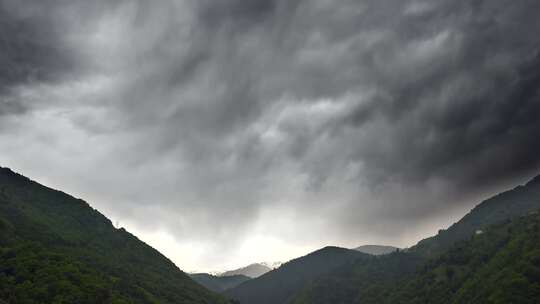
[281, 124]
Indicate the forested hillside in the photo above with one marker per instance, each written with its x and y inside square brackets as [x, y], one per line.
[280, 285]
[506, 205]
[359, 280]
[57, 249]
[500, 265]
[451, 266]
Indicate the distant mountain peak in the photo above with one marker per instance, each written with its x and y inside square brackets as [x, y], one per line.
[376, 249]
[272, 265]
[252, 270]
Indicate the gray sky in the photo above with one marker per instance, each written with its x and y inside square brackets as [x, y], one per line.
[229, 132]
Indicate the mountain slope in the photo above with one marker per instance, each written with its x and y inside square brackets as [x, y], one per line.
[501, 265]
[376, 249]
[280, 285]
[252, 271]
[348, 283]
[57, 249]
[509, 204]
[372, 281]
[218, 283]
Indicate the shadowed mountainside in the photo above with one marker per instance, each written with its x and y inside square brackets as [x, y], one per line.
[280, 285]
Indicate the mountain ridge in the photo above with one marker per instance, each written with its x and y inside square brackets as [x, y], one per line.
[501, 265]
[364, 281]
[499, 207]
[62, 250]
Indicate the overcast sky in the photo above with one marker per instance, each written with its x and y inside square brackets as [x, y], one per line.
[229, 132]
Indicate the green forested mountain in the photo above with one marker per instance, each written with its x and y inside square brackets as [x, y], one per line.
[359, 280]
[280, 285]
[57, 249]
[501, 265]
[219, 283]
[509, 204]
[459, 265]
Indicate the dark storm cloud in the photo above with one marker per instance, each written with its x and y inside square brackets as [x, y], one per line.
[34, 47]
[240, 15]
[474, 105]
[206, 114]
[29, 51]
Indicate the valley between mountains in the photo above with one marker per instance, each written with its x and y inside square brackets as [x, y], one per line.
[55, 248]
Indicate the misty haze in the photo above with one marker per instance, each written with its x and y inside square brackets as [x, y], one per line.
[269, 151]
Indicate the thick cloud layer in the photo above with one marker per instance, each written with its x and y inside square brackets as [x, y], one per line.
[226, 133]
